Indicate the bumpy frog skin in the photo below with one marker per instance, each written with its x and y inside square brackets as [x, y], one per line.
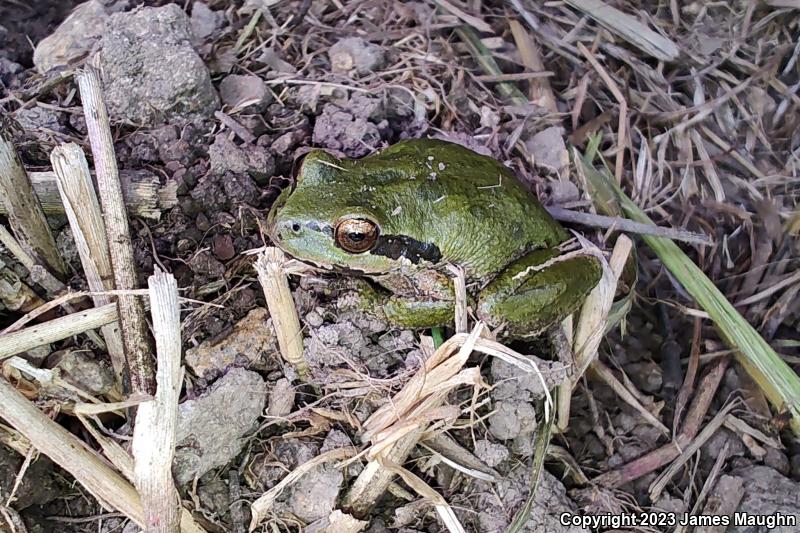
[400, 215]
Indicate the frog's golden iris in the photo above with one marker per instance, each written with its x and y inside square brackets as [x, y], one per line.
[356, 235]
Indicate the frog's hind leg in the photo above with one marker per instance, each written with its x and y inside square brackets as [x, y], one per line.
[528, 299]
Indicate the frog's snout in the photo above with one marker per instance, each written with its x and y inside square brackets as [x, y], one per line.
[284, 230]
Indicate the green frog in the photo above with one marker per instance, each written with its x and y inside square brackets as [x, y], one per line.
[400, 216]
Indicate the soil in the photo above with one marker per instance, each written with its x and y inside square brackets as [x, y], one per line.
[351, 79]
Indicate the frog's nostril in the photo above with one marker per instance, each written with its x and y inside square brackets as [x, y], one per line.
[295, 227]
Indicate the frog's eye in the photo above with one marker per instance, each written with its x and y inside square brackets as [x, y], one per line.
[356, 235]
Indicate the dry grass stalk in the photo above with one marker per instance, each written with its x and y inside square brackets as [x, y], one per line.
[263, 504]
[629, 29]
[540, 92]
[56, 330]
[143, 194]
[70, 453]
[275, 285]
[458, 457]
[24, 213]
[627, 226]
[88, 229]
[622, 124]
[659, 457]
[460, 288]
[658, 486]
[154, 434]
[600, 371]
[445, 512]
[44, 278]
[339, 522]
[133, 323]
[124, 463]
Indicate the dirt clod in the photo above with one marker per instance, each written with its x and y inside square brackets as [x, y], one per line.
[151, 73]
[210, 428]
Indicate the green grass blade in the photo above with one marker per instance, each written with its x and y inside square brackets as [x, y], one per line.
[779, 382]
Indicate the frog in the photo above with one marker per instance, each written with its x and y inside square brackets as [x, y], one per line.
[403, 216]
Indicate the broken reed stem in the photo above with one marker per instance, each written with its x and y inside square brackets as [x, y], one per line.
[154, 434]
[132, 319]
[70, 453]
[275, 284]
[25, 215]
[143, 194]
[56, 330]
[373, 481]
[88, 229]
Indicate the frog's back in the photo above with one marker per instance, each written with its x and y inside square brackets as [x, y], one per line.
[471, 206]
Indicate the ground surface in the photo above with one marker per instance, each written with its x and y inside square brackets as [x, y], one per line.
[216, 102]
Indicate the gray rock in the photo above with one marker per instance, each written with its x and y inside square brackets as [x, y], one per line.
[37, 118]
[81, 369]
[210, 428]
[246, 92]
[76, 36]
[225, 156]
[314, 496]
[204, 21]
[766, 492]
[151, 73]
[251, 340]
[354, 55]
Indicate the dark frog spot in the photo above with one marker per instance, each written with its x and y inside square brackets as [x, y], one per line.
[397, 246]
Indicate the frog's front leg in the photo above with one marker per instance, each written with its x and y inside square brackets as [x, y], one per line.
[528, 299]
[423, 299]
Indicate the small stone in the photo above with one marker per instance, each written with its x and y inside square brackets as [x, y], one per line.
[82, 370]
[355, 55]
[776, 459]
[206, 264]
[151, 73]
[281, 398]
[248, 93]
[222, 246]
[39, 118]
[314, 496]
[211, 428]
[226, 156]
[75, 37]
[204, 21]
[251, 340]
[549, 150]
[340, 130]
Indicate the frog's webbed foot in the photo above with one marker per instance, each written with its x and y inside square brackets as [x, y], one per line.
[529, 299]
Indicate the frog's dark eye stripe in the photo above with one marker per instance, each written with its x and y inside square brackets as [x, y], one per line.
[356, 235]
